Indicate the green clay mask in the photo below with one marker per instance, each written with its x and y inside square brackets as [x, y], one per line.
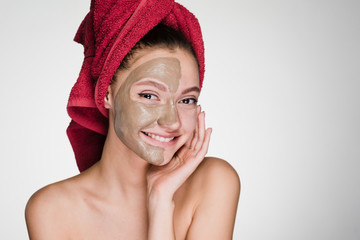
[133, 116]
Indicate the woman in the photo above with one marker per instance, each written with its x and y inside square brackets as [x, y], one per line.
[149, 178]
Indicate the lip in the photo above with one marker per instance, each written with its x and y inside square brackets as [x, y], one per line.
[156, 142]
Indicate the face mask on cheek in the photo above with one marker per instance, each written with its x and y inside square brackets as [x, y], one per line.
[131, 116]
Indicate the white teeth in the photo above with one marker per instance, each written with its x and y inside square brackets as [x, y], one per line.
[160, 139]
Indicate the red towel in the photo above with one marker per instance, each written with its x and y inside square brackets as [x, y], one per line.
[108, 32]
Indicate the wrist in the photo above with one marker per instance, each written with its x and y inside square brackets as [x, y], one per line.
[160, 202]
[160, 213]
[158, 195]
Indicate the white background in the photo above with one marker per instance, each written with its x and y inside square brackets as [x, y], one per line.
[281, 92]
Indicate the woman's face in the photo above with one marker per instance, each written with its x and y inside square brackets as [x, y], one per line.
[155, 103]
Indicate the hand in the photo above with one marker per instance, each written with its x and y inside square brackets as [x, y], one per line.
[163, 181]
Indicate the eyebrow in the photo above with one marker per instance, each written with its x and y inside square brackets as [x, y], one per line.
[192, 89]
[153, 83]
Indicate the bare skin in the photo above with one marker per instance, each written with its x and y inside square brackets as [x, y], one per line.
[123, 196]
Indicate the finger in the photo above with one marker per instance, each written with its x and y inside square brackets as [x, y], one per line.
[201, 131]
[191, 161]
[195, 160]
[205, 146]
[198, 109]
[196, 132]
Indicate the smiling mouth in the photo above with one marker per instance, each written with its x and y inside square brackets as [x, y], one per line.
[159, 138]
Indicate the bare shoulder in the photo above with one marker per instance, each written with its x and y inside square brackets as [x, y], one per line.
[217, 188]
[216, 172]
[47, 210]
[214, 178]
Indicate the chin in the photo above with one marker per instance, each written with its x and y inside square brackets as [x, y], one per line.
[160, 154]
[168, 157]
[161, 161]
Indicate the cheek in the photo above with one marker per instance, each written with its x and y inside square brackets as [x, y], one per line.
[143, 115]
[188, 119]
[134, 115]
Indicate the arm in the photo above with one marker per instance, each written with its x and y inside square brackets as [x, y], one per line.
[164, 181]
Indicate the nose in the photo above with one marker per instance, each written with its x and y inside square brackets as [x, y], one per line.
[169, 116]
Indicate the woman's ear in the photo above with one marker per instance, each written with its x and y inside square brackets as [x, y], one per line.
[108, 98]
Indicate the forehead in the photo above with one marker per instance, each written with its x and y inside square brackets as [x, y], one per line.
[175, 68]
[164, 69]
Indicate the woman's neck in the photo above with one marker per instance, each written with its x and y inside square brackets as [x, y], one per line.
[121, 170]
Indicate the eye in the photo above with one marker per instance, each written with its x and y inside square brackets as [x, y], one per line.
[188, 101]
[149, 96]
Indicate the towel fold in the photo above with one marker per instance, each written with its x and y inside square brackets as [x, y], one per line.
[108, 33]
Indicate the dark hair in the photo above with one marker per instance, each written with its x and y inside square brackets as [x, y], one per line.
[160, 36]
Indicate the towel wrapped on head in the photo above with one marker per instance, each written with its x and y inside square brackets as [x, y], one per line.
[109, 31]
